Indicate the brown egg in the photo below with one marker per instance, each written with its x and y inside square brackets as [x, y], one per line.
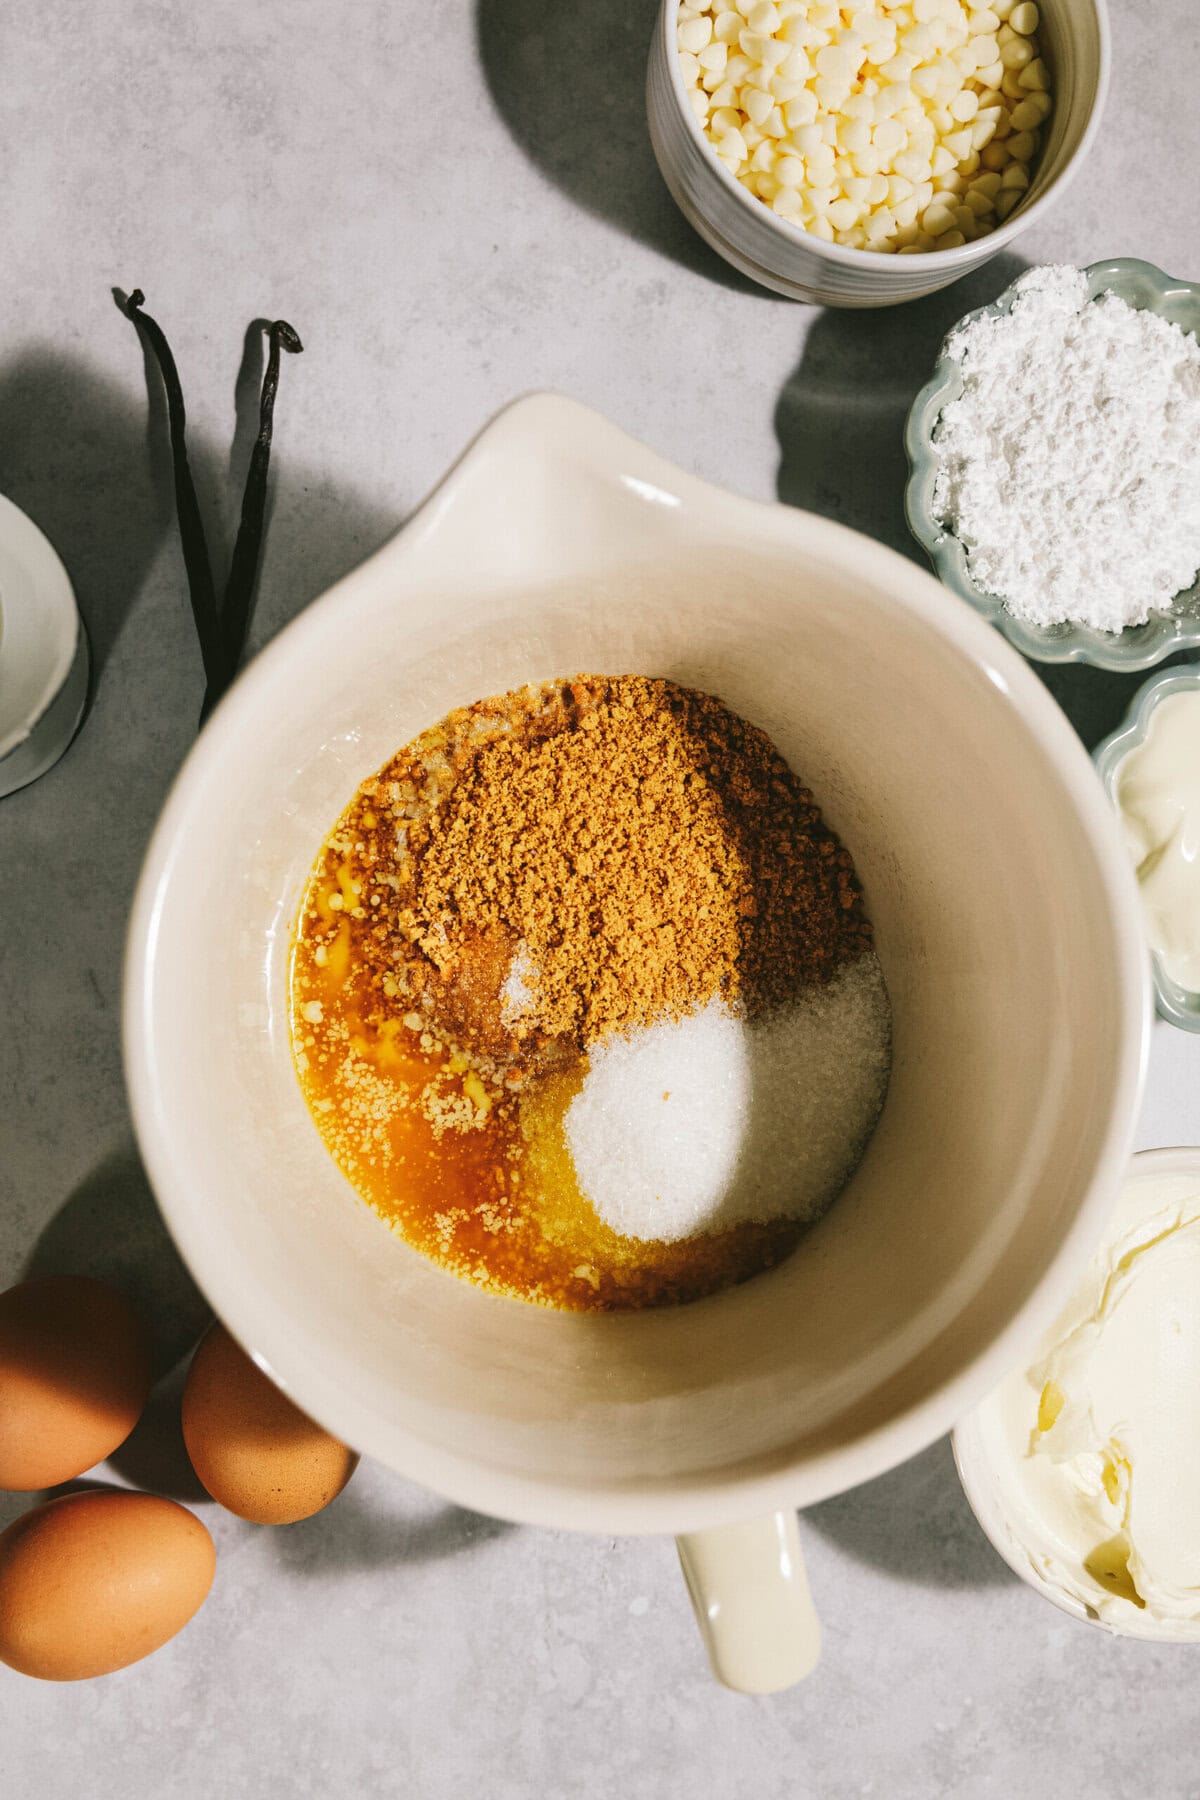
[74, 1375]
[94, 1581]
[256, 1452]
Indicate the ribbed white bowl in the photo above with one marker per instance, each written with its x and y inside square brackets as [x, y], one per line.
[44, 658]
[781, 256]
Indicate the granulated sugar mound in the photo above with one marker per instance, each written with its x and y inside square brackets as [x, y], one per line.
[1070, 462]
[705, 1122]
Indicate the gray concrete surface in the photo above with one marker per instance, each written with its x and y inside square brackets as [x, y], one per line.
[454, 205]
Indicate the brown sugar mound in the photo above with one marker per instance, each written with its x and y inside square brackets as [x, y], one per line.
[639, 847]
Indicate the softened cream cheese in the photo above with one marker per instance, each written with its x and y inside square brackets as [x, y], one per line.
[1095, 1446]
[1158, 793]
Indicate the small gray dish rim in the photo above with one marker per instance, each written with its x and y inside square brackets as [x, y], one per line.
[1139, 284]
[1178, 1005]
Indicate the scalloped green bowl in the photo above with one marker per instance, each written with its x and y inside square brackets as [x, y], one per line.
[1139, 284]
[1178, 1004]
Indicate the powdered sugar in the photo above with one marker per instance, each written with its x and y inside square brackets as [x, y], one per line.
[1070, 463]
[704, 1122]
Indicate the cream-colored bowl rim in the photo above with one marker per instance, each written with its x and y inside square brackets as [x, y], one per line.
[560, 432]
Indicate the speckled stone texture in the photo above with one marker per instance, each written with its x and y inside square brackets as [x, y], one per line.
[455, 204]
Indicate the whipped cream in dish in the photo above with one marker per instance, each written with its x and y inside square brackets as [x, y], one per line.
[1084, 1465]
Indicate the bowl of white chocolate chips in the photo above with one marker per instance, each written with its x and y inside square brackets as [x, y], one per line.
[864, 154]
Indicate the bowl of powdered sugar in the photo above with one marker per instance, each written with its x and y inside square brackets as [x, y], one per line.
[1055, 464]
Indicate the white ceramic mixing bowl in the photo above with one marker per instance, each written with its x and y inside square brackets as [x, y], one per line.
[1007, 922]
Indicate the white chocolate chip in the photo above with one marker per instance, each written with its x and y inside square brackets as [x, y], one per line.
[696, 35]
[895, 125]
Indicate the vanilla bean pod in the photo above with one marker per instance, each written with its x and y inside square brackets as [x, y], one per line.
[243, 569]
[187, 509]
[221, 629]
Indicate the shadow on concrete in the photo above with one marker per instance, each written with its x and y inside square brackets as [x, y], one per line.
[351, 1534]
[915, 1524]
[92, 468]
[840, 418]
[154, 1456]
[568, 82]
[111, 1228]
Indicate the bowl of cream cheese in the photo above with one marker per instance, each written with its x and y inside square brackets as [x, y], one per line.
[1083, 1465]
[1150, 767]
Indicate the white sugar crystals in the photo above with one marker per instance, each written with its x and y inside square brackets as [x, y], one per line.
[706, 1122]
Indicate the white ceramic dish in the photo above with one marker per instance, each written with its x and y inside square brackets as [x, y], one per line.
[43, 653]
[1179, 1005]
[979, 1461]
[790, 261]
[1021, 1001]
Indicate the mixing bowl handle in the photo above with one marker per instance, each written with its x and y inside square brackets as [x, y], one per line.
[752, 1602]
